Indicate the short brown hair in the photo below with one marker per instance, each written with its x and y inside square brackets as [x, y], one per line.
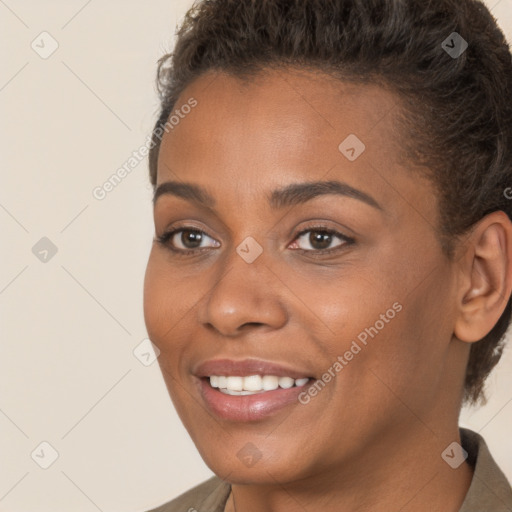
[458, 108]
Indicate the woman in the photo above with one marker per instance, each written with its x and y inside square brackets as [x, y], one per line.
[332, 269]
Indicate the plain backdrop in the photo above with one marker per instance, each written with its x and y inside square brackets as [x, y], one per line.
[73, 266]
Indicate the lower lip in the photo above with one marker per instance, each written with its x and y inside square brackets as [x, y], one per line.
[249, 407]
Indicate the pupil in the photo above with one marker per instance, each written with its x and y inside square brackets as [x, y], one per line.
[194, 237]
[320, 239]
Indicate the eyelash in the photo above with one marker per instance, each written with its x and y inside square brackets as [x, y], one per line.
[165, 238]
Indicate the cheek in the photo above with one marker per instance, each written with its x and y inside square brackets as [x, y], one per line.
[389, 316]
[361, 328]
[154, 301]
[408, 354]
[169, 300]
[162, 309]
[349, 302]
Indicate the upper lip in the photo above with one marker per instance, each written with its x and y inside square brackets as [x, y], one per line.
[246, 367]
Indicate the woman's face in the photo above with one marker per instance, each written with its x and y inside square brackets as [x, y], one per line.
[343, 283]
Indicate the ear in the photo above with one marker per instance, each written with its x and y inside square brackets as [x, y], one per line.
[486, 277]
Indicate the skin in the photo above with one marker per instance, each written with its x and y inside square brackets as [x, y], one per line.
[372, 438]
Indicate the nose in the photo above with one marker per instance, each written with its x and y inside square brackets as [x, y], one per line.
[245, 295]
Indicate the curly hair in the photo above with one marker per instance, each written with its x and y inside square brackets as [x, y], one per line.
[457, 108]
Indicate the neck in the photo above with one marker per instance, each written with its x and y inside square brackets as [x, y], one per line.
[404, 471]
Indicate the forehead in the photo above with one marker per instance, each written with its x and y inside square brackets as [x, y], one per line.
[284, 126]
[296, 113]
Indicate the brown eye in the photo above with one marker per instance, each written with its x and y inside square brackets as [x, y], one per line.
[186, 240]
[190, 239]
[319, 240]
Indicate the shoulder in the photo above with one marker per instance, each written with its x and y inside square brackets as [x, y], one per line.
[489, 489]
[208, 496]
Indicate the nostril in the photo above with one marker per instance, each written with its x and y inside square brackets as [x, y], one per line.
[256, 324]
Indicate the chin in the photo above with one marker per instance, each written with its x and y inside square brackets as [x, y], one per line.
[251, 464]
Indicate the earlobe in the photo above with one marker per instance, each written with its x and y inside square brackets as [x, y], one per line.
[486, 283]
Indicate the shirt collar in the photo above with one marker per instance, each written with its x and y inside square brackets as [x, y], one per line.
[489, 489]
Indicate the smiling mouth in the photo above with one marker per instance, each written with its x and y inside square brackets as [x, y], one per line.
[253, 384]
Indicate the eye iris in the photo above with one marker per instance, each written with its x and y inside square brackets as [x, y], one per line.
[320, 239]
[194, 237]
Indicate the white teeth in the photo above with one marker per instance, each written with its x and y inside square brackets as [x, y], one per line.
[234, 385]
[270, 382]
[238, 393]
[253, 383]
[286, 382]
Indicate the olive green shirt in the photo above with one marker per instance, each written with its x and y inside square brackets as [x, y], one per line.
[489, 490]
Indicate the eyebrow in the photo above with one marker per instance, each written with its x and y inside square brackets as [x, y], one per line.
[290, 195]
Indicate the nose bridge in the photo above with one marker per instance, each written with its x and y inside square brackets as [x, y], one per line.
[244, 293]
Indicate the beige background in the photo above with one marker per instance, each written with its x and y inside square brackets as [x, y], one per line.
[69, 326]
